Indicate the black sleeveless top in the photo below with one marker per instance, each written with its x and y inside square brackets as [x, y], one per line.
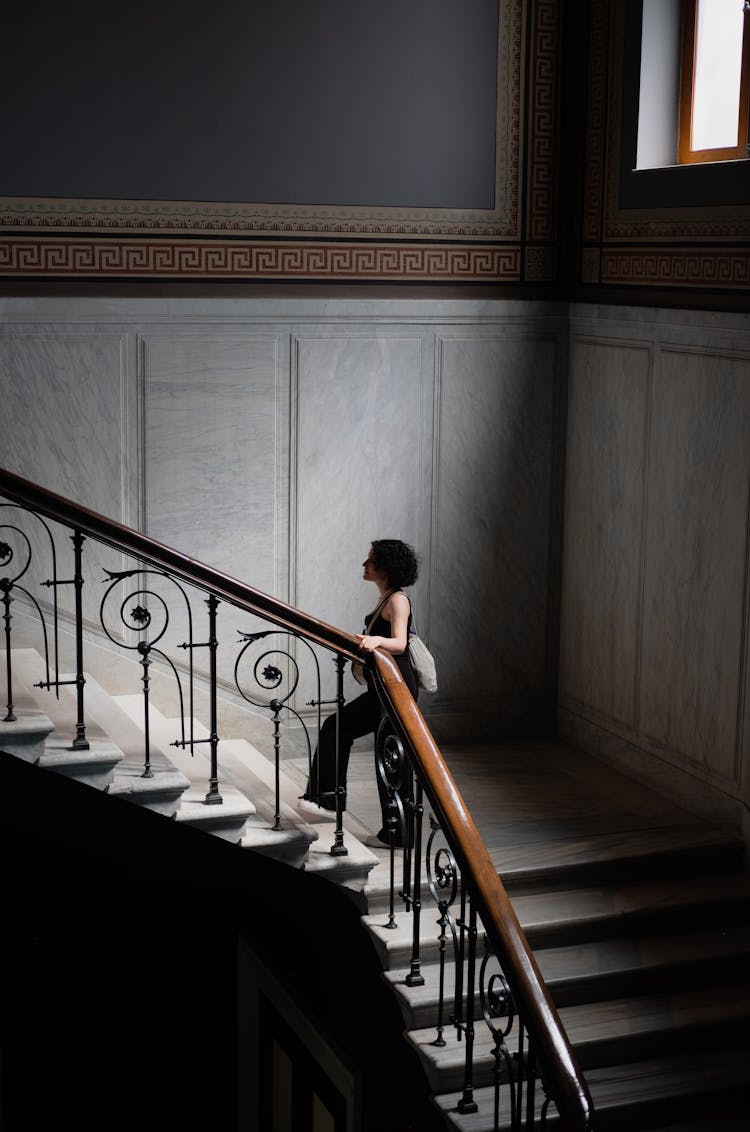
[382, 628]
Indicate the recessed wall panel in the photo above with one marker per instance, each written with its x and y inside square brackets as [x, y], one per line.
[360, 438]
[603, 541]
[64, 402]
[491, 557]
[211, 450]
[696, 556]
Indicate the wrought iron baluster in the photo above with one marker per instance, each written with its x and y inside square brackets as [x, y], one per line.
[467, 1103]
[270, 677]
[496, 1003]
[213, 797]
[442, 878]
[390, 764]
[338, 849]
[415, 978]
[276, 706]
[80, 743]
[6, 585]
[144, 650]
[137, 617]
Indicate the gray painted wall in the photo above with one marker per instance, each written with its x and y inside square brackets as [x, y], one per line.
[274, 440]
[654, 666]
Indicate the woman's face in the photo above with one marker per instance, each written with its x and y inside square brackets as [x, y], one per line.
[369, 573]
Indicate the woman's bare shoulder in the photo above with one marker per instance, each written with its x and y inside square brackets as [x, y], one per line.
[397, 603]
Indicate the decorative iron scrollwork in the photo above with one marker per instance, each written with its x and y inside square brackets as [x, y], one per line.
[145, 612]
[9, 584]
[275, 670]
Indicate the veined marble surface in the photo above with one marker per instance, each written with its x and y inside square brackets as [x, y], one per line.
[655, 617]
[275, 438]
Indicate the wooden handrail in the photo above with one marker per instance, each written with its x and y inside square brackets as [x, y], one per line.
[564, 1082]
[563, 1079]
[188, 569]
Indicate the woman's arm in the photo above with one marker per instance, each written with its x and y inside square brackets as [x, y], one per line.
[395, 610]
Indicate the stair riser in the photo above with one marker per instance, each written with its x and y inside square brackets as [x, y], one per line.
[576, 991]
[716, 1107]
[653, 921]
[717, 972]
[721, 858]
[637, 1047]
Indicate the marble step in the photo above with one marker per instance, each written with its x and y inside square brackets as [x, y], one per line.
[301, 842]
[105, 720]
[95, 767]
[641, 854]
[566, 917]
[573, 917]
[25, 737]
[51, 744]
[591, 972]
[695, 1092]
[226, 819]
[605, 1034]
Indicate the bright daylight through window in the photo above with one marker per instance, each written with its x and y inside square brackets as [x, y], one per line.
[715, 80]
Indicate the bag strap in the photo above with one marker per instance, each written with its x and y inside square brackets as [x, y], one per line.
[379, 606]
[410, 629]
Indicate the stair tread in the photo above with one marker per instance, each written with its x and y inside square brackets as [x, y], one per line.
[588, 1025]
[583, 907]
[585, 963]
[562, 912]
[525, 863]
[634, 1084]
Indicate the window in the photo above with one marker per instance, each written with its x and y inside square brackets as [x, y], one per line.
[715, 81]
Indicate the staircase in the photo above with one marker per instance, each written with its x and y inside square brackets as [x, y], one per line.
[180, 780]
[643, 936]
[643, 940]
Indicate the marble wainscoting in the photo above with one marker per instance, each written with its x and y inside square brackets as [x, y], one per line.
[275, 439]
[654, 668]
[69, 422]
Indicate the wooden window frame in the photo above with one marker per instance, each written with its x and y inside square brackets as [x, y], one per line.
[686, 155]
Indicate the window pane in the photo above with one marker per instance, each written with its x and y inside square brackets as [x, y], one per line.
[718, 63]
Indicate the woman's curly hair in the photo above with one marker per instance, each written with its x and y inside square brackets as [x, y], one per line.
[396, 560]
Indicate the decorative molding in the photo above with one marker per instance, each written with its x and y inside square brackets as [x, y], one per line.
[49, 237]
[541, 264]
[590, 263]
[254, 259]
[596, 122]
[544, 74]
[722, 268]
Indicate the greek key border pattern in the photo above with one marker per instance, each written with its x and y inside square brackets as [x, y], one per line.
[595, 127]
[543, 121]
[239, 259]
[723, 268]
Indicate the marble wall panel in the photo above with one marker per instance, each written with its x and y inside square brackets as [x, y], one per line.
[216, 448]
[696, 556]
[67, 425]
[215, 416]
[492, 516]
[361, 425]
[603, 541]
[63, 398]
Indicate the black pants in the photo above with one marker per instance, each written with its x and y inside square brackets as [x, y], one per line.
[359, 717]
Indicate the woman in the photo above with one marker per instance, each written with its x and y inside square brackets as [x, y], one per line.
[390, 565]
